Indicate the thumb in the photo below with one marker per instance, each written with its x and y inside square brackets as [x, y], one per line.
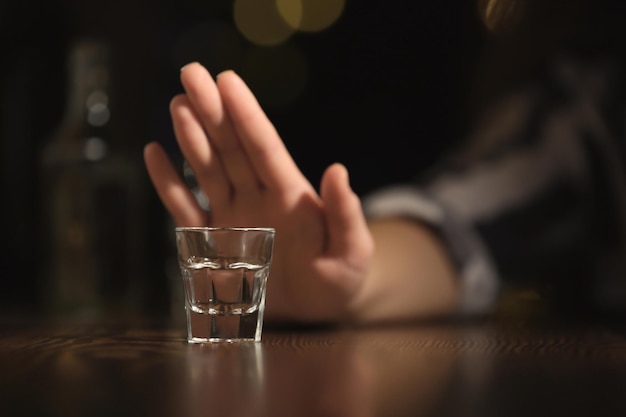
[348, 233]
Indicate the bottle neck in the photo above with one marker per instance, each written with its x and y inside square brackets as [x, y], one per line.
[87, 105]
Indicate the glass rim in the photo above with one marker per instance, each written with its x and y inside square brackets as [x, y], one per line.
[224, 229]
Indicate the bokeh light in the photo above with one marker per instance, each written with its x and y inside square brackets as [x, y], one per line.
[256, 43]
[310, 15]
[98, 115]
[98, 112]
[291, 12]
[260, 22]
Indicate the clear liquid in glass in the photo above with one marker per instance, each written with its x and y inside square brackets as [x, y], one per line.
[224, 299]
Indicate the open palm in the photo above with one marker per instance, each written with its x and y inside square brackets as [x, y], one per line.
[323, 246]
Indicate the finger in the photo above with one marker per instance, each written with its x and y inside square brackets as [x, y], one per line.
[266, 151]
[348, 234]
[199, 153]
[207, 103]
[176, 197]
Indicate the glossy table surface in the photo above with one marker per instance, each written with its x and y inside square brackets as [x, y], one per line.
[489, 368]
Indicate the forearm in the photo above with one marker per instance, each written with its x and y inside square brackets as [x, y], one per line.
[411, 277]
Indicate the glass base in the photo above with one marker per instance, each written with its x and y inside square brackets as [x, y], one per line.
[229, 328]
[201, 340]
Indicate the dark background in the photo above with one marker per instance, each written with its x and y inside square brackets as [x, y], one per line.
[386, 90]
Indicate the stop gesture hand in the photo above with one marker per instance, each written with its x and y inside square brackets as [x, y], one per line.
[323, 246]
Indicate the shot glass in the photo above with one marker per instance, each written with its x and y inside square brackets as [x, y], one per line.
[224, 273]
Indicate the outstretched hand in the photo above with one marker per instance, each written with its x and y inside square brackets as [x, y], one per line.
[323, 246]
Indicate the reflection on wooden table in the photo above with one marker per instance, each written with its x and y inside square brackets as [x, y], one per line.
[462, 369]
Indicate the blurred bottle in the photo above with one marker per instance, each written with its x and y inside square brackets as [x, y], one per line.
[92, 200]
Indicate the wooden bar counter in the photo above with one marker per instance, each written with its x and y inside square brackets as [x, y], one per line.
[487, 368]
